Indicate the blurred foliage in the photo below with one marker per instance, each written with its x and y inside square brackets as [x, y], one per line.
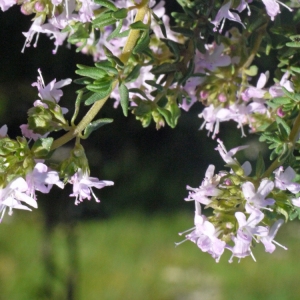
[134, 257]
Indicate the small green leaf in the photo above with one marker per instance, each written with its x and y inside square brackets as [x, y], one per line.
[142, 43]
[139, 25]
[184, 31]
[174, 48]
[116, 31]
[91, 72]
[91, 97]
[295, 69]
[155, 84]
[107, 67]
[107, 4]
[120, 13]
[112, 57]
[102, 91]
[260, 165]
[95, 125]
[281, 100]
[124, 95]
[42, 147]
[293, 44]
[160, 23]
[165, 68]
[252, 71]
[283, 212]
[138, 91]
[284, 125]
[103, 20]
[133, 75]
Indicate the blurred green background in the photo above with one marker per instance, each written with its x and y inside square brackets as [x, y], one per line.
[122, 248]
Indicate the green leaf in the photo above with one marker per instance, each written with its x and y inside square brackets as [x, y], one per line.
[283, 212]
[116, 31]
[107, 4]
[293, 44]
[138, 91]
[295, 69]
[91, 97]
[139, 25]
[42, 147]
[95, 125]
[165, 68]
[260, 165]
[112, 57]
[284, 125]
[281, 100]
[124, 95]
[91, 72]
[155, 84]
[120, 13]
[142, 43]
[134, 74]
[294, 214]
[184, 31]
[107, 67]
[160, 23]
[174, 48]
[103, 20]
[103, 91]
[252, 71]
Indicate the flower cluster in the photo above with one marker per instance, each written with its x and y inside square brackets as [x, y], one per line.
[251, 207]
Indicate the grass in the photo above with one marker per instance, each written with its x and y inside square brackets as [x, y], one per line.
[133, 257]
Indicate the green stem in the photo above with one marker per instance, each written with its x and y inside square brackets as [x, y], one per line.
[90, 115]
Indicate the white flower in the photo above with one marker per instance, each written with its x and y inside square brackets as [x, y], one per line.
[12, 196]
[82, 186]
[256, 199]
[283, 180]
[207, 189]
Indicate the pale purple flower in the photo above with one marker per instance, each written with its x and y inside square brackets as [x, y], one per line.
[212, 117]
[55, 34]
[284, 180]
[86, 11]
[28, 133]
[273, 9]
[51, 91]
[249, 227]
[62, 20]
[276, 90]
[257, 199]
[241, 248]
[190, 88]
[35, 28]
[82, 186]
[247, 231]
[268, 240]
[296, 201]
[243, 5]
[13, 195]
[205, 235]
[6, 4]
[208, 188]
[223, 14]
[42, 179]
[228, 155]
[3, 131]
[212, 59]
[258, 91]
